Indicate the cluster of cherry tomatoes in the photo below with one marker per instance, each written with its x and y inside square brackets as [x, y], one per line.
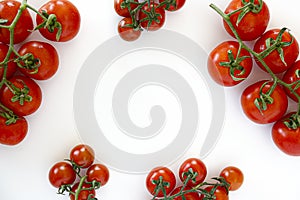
[20, 95]
[147, 15]
[275, 51]
[79, 175]
[161, 182]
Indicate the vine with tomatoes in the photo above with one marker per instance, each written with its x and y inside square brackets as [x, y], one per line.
[23, 62]
[275, 51]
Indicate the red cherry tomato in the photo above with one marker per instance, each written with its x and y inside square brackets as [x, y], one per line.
[220, 193]
[62, 173]
[124, 12]
[67, 15]
[83, 194]
[83, 155]
[223, 74]
[197, 166]
[274, 110]
[187, 196]
[234, 176]
[273, 60]
[128, 33]
[12, 66]
[152, 24]
[167, 177]
[47, 56]
[99, 173]
[252, 24]
[179, 5]
[14, 133]
[285, 138]
[8, 11]
[289, 77]
[20, 103]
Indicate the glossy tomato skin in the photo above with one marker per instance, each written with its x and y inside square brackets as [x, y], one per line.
[28, 107]
[8, 11]
[286, 139]
[128, 33]
[99, 173]
[273, 59]
[11, 67]
[61, 173]
[84, 194]
[220, 193]
[166, 174]
[83, 155]
[154, 26]
[14, 133]
[234, 176]
[179, 5]
[274, 111]
[123, 12]
[252, 25]
[188, 196]
[67, 15]
[221, 74]
[47, 55]
[197, 166]
[291, 77]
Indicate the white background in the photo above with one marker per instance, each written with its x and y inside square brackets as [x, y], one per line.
[269, 174]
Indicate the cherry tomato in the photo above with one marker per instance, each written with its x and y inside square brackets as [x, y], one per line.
[124, 12]
[286, 139]
[290, 76]
[223, 74]
[8, 11]
[234, 176]
[11, 66]
[83, 155]
[179, 5]
[167, 177]
[14, 133]
[220, 193]
[152, 24]
[62, 173]
[273, 60]
[84, 194]
[47, 56]
[99, 173]
[197, 166]
[252, 25]
[20, 103]
[187, 196]
[274, 110]
[128, 33]
[67, 15]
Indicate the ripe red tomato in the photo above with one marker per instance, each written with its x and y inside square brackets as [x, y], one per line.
[99, 173]
[220, 193]
[187, 196]
[151, 24]
[223, 74]
[273, 60]
[84, 194]
[285, 138]
[128, 33]
[83, 155]
[67, 15]
[62, 173]
[274, 110]
[124, 12]
[28, 98]
[14, 133]
[11, 66]
[234, 176]
[197, 166]
[154, 176]
[289, 77]
[179, 5]
[8, 11]
[252, 24]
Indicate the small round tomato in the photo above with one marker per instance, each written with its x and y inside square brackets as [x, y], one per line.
[13, 133]
[67, 15]
[179, 5]
[234, 176]
[223, 69]
[27, 98]
[99, 173]
[83, 194]
[62, 173]
[83, 155]
[287, 139]
[196, 166]
[156, 21]
[252, 25]
[124, 12]
[11, 66]
[275, 108]
[160, 175]
[127, 31]
[47, 56]
[291, 76]
[274, 60]
[8, 11]
[220, 193]
[187, 196]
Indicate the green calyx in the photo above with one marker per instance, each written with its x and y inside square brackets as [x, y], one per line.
[249, 7]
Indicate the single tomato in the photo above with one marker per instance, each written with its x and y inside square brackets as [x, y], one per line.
[191, 166]
[61, 173]
[152, 17]
[83, 155]
[124, 11]
[127, 31]
[99, 173]
[234, 176]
